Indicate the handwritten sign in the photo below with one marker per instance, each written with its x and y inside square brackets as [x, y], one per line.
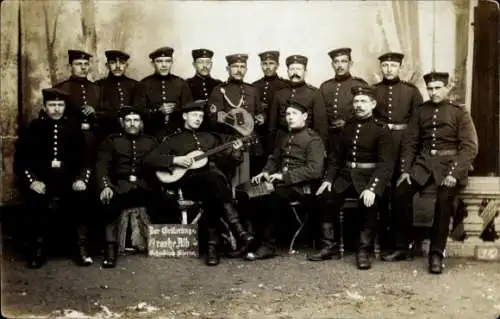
[173, 240]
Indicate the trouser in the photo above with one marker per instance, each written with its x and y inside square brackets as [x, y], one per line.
[65, 209]
[443, 211]
[329, 205]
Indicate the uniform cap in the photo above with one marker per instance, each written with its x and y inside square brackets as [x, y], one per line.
[127, 109]
[296, 59]
[340, 51]
[436, 76]
[270, 55]
[363, 90]
[162, 52]
[198, 105]
[54, 94]
[116, 54]
[391, 56]
[235, 58]
[202, 53]
[77, 54]
[296, 105]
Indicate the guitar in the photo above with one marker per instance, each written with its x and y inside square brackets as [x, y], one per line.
[200, 159]
[239, 119]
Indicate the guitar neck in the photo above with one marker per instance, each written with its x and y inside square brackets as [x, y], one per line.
[216, 150]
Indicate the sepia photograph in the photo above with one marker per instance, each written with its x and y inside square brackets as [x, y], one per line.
[250, 159]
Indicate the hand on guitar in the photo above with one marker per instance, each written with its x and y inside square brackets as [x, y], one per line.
[183, 161]
[275, 177]
[259, 119]
[258, 178]
[237, 144]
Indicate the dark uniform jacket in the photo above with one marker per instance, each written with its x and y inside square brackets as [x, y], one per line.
[152, 92]
[362, 141]
[337, 95]
[435, 132]
[115, 92]
[120, 162]
[267, 87]
[300, 157]
[184, 141]
[396, 101]
[306, 95]
[201, 87]
[53, 152]
[81, 92]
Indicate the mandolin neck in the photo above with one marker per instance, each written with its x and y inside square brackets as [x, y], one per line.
[215, 150]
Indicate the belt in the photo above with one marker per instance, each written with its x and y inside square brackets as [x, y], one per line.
[360, 165]
[397, 127]
[450, 152]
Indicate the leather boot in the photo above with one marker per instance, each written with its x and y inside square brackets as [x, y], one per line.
[245, 240]
[83, 257]
[436, 263]
[326, 251]
[212, 257]
[111, 255]
[363, 259]
[36, 256]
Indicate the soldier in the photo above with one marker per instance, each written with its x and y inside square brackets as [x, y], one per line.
[293, 168]
[54, 171]
[337, 94]
[267, 87]
[359, 166]
[202, 84]
[161, 93]
[207, 184]
[438, 149]
[123, 181]
[116, 91]
[83, 94]
[397, 100]
[302, 92]
[235, 93]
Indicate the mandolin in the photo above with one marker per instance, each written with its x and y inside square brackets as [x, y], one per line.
[200, 159]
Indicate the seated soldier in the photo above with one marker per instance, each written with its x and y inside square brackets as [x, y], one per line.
[440, 146]
[122, 179]
[292, 168]
[207, 183]
[359, 166]
[53, 168]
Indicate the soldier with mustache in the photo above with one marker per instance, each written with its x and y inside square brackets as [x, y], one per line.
[302, 92]
[116, 91]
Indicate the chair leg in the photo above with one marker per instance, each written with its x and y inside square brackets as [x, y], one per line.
[377, 238]
[341, 234]
[297, 232]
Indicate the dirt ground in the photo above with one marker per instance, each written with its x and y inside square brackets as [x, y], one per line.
[285, 287]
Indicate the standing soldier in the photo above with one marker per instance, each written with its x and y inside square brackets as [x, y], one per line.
[359, 166]
[116, 91]
[337, 94]
[123, 181]
[293, 168]
[397, 100]
[84, 97]
[303, 93]
[202, 84]
[161, 93]
[267, 87]
[53, 167]
[438, 150]
[234, 94]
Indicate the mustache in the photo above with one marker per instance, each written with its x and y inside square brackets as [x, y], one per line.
[296, 76]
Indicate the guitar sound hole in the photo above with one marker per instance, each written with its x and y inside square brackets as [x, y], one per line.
[229, 120]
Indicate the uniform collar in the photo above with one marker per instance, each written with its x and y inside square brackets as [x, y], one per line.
[78, 79]
[391, 82]
[234, 81]
[163, 77]
[341, 78]
[271, 78]
[363, 121]
[202, 76]
[298, 130]
[297, 85]
[116, 78]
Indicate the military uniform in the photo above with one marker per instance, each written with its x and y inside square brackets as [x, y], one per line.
[115, 92]
[305, 94]
[201, 86]
[267, 87]
[54, 152]
[441, 141]
[300, 158]
[81, 92]
[225, 97]
[120, 167]
[362, 159]
[155, 90]
[397, 100]
[206, 184]
[336, 93]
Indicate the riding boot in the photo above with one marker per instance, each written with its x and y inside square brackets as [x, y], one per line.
[111, 255]
[245, 239]
[212, 257]
[363, 259]
[327, 242]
